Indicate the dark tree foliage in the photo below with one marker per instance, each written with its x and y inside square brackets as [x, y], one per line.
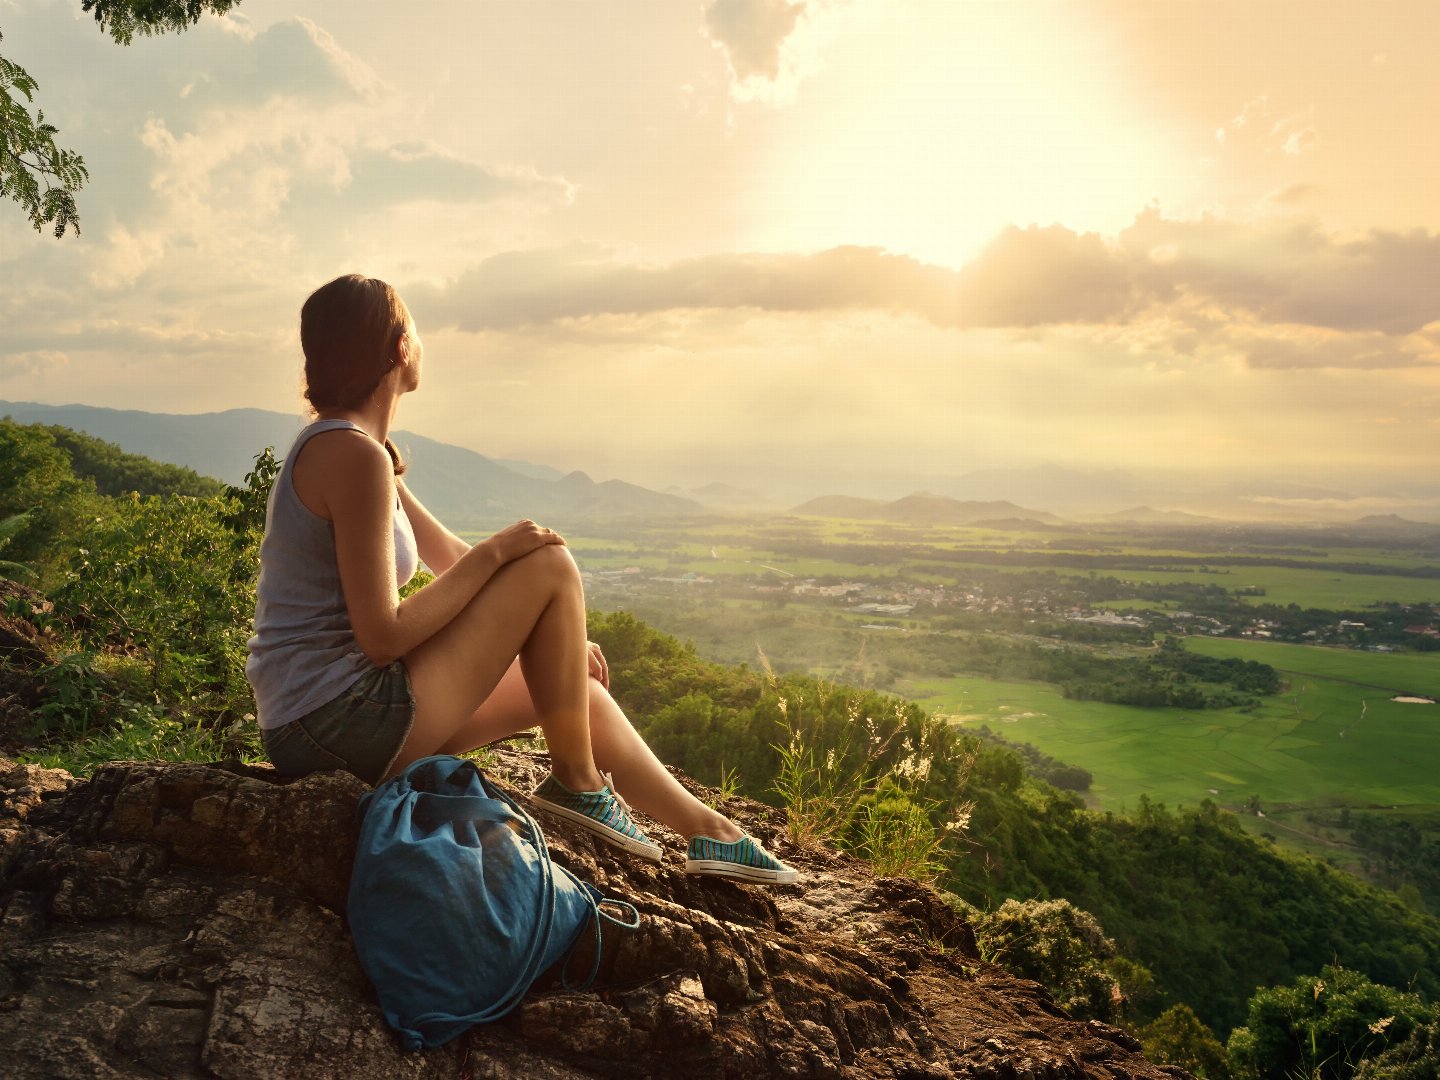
[1041, 765]
[123, 19]
[1169, 676]
[115, 472]
[1210, 910]
[1177, 1037]
[1058, 945]
[1401, 852]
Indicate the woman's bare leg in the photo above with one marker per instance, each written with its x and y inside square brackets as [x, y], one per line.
[618, 749]
[533, 607]
[642, 778]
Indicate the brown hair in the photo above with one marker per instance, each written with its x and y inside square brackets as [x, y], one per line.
[348, 331]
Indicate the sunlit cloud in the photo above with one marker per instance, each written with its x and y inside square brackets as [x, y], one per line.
[537, 287]
[1309, 347]
[1291, 194]
[752, 34]
[1033, 277]
[1336, 302]
[31, 362]
[1293, 272]
[772, 46]
[293, 59]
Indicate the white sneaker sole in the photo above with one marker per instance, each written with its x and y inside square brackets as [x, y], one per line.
[754, 874]
[643, 848]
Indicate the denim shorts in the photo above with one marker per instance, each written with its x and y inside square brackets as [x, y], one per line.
[361, 731]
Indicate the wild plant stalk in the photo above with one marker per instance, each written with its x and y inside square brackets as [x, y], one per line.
[853, 794]
[906, 844]
[727, 789]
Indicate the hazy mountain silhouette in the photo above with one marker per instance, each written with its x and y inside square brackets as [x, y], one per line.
[457, 484]
[923, 508]
[1145, 515]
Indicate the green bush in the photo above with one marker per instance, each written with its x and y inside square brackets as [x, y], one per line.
[1325, 1027]
[1058, 945]
[1177, 1037]
[163, 587]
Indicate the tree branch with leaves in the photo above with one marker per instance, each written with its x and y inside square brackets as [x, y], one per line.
[29, 157]
[39, 175]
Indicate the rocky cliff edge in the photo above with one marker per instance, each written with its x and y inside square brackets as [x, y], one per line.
[163, 920]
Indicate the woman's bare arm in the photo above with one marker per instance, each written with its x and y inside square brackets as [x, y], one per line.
[354, 480]
[439, 548]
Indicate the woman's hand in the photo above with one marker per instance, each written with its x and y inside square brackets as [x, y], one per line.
[599, 669]
[518, 540]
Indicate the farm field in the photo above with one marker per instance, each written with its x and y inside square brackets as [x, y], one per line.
[1404, 673]
[816, 547]
[1325, 741]
[1332, 738]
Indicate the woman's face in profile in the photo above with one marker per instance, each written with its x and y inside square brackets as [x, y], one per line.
[415, 353]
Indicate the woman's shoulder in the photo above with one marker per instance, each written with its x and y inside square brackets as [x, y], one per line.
[338, 461]
[347, 447]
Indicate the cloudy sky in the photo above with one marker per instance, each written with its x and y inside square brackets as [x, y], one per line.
[681, 241]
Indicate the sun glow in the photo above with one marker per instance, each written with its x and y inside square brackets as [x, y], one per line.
[943, 122]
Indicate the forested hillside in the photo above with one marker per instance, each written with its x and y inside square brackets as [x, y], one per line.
[1210, 911]
[114, 472]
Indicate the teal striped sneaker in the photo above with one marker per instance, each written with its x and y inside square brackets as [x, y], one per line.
[743, 860]
[602, 812]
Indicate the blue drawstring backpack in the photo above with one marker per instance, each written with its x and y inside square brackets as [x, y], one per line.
[455, 905]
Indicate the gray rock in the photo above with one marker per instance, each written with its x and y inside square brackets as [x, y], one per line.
[188, 921]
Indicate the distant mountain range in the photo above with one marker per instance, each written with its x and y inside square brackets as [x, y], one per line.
[1069, 491]
[473, 490]
[923, 508]
[1145, 515]
[1115, 496]
[458, 485]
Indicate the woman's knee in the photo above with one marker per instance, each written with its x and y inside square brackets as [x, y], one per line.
[552, 564]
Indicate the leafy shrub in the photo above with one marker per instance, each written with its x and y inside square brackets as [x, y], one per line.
[1058, 945]
[169, 582]
[163, 574]
[79, 696]
[1177, 1037]
[1325, 1027]
[1414, 1058]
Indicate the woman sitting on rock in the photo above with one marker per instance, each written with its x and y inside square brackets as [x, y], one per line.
[347, 675]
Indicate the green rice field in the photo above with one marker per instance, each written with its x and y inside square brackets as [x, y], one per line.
[1334, 736]
[748, 547]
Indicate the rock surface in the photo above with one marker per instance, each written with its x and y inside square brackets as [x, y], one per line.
[188, 921]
